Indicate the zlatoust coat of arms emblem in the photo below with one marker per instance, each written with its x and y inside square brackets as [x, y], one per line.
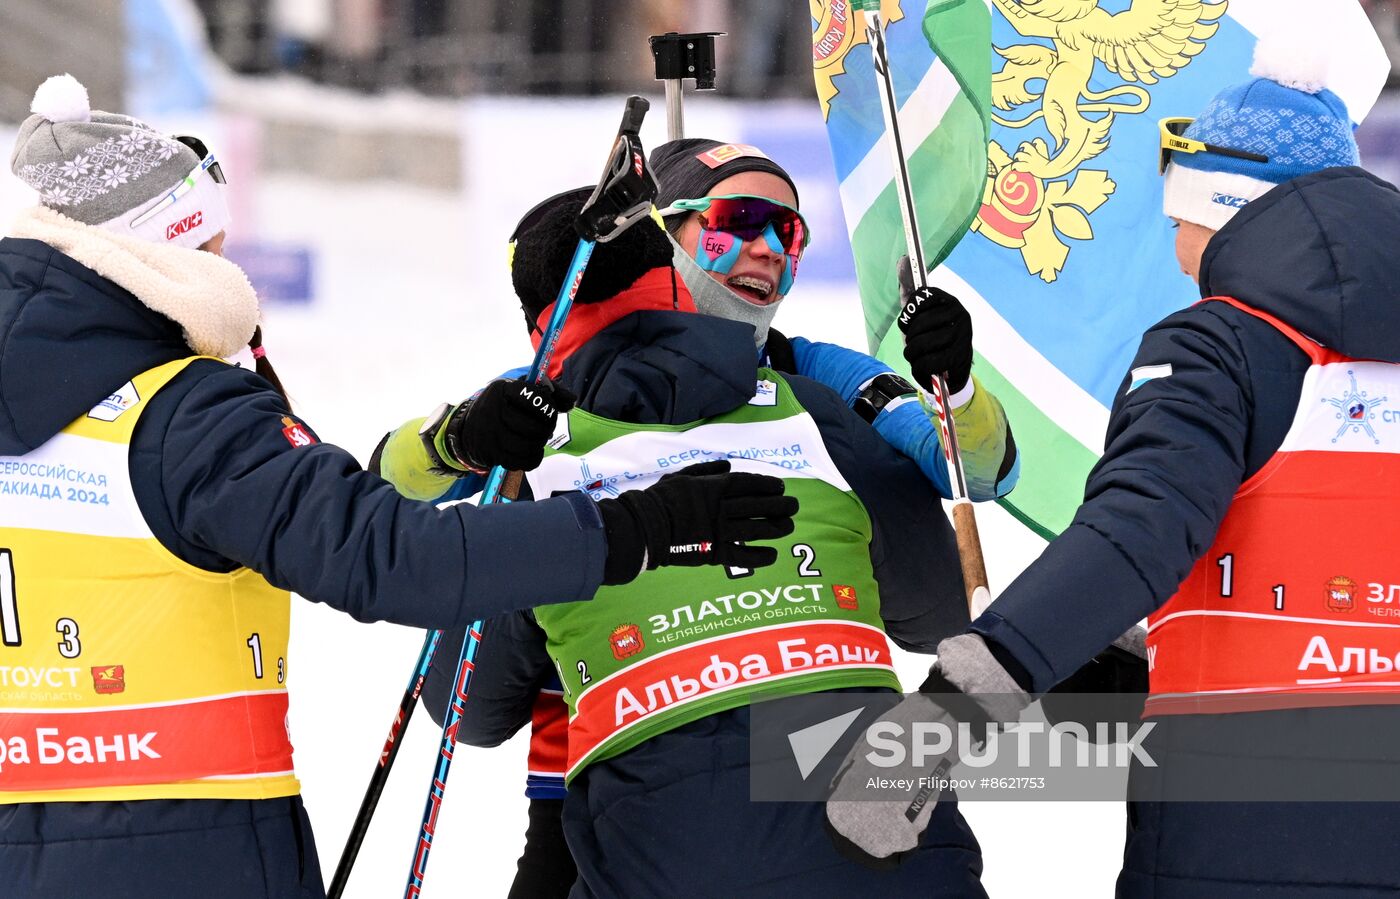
[1039, 193]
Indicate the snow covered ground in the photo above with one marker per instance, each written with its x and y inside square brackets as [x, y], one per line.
[414, 307]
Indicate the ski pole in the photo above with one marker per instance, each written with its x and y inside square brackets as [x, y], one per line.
[974, 566]
[624, 196]
[380, 777]
[678, 57]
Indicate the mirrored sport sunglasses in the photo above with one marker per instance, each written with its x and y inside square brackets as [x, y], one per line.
[747, 218]
[207, 162]
[1171, 133]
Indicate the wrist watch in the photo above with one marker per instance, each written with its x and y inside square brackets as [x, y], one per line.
[428, 432]
[879, 393]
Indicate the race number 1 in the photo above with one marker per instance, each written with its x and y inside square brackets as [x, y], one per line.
[255, 644]
[9, 609]
[1227, 574]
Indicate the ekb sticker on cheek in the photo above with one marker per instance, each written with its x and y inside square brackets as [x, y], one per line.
[717, 250]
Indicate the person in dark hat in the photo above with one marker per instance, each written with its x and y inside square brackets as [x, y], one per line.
[158, 504]
[738, 238]
[663, 391]
[743, 275]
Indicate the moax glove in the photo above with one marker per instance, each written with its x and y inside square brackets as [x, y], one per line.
[966, 685]
[937, 332]
[700, 515]
[506, 424]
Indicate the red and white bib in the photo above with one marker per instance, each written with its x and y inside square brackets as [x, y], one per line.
[1298, 600]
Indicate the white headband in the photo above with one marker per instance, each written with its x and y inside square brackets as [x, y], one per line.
[188, 222]
[1208, 198]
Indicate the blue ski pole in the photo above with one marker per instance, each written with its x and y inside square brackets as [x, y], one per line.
[623, 196]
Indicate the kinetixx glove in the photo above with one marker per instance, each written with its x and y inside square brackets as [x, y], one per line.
[700, 515]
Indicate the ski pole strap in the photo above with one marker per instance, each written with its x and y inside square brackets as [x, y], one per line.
[627, 189]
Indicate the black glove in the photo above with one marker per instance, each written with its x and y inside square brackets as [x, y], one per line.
[506, 424]
[937, 332]
[1115, 682]
[700, 515]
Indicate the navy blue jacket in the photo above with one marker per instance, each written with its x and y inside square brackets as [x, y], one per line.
[677, 367]
[621, 815]
[221, 487]
[1318, 252]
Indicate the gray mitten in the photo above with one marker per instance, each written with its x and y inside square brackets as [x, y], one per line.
[880, 821]
[876, 813]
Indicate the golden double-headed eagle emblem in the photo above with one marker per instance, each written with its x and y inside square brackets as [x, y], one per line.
[1038, 195]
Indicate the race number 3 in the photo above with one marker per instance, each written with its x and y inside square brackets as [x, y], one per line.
[9, 607]
[70, 647]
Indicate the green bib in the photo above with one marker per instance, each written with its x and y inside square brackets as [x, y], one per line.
[679, 644]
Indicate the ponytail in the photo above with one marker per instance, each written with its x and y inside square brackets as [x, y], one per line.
[263, 366]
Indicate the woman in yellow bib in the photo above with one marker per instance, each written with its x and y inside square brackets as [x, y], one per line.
[157, 504]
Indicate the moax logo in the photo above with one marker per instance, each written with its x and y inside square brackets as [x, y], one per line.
[528, 394]
[109, 678]
[626, 641]
[188, 223]
[1341, 594]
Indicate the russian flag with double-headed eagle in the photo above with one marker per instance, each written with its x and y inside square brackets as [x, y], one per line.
[1030, 128]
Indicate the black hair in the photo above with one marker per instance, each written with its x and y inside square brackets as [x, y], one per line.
[545, 247]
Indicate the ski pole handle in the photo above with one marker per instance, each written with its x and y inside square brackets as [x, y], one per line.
[510, 489]
[974, 566]
[632, 115]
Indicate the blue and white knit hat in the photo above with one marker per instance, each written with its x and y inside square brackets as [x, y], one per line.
[1284, 113]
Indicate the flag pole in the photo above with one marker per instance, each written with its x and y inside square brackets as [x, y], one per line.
[974, 566]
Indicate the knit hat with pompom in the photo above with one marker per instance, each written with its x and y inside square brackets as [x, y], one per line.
[1284, 114]
[107, 170]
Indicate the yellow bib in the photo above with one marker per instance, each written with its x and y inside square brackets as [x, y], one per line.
[126, 673]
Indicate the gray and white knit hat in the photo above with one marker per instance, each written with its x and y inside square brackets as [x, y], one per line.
[108, 170]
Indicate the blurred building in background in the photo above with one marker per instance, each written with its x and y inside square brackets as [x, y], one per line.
[447, 47]
[452, 47]
[86, 34]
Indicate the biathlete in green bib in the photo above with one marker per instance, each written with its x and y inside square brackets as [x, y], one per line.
[659, 675]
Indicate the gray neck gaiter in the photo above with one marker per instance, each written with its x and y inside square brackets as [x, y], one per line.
[713, 298]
